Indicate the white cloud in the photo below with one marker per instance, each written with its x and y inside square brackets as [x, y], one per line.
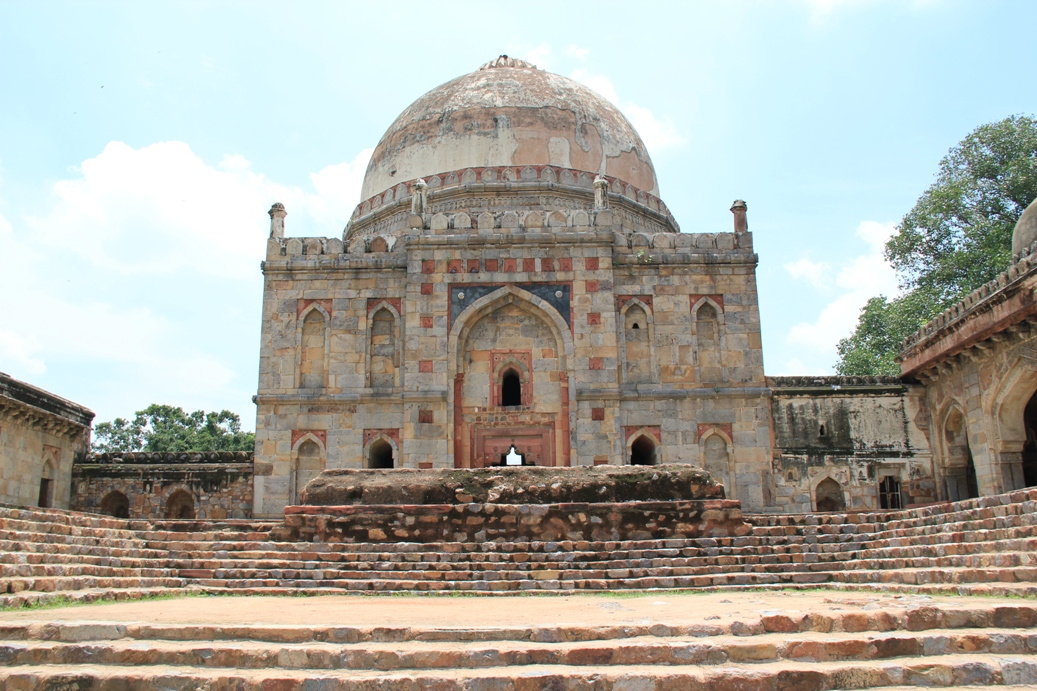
[142, 264]
[577, 52]
[856, 281]
[657, 133]
[815, 273]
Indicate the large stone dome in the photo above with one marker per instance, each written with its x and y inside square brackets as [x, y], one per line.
[1025, 233]
[509, 113]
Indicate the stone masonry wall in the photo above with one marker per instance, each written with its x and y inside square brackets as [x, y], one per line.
[215, 485]
[854, 431]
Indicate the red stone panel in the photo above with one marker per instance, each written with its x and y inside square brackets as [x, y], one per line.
[426, 289]
[320, 434]
[590, 263]
[492, 264]
[303, 304]
[529, 265]
[724, 427]
[593, 318]
[425, 366]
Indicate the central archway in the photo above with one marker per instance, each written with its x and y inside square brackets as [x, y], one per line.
[500, 399]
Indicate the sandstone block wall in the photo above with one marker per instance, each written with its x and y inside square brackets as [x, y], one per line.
[852, 431]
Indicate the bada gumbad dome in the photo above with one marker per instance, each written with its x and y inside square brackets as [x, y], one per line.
[509, 113]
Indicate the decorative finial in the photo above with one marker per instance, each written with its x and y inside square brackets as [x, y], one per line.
[738, 208]
[277, 214]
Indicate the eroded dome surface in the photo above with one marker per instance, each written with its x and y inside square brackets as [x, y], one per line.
[1025, 233]
[509, 113]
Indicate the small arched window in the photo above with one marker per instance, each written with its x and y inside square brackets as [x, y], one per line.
[511, 388]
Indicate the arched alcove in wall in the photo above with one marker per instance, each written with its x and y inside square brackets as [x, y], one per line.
[959, 468]
[643, 451]
[313, 349]
[309, 462]
[116, 504]
[180, 505]
[828, 496]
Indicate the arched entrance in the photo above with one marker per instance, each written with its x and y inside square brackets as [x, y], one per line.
[511, 388]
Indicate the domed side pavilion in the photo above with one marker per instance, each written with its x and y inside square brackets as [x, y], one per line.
[511, 289]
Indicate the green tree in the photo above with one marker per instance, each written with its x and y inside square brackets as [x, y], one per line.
[957, 237]
[169, 428]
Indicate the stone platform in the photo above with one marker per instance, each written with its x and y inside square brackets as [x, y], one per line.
[512, 485]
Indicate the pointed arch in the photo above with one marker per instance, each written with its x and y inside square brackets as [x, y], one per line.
[487, 304]
[715, 448]
[180, 505]
[116, 504]
[637, 342]
[956, 462]
[309, 458]
[383, 346]
[643, 446]
[381, 451]
[312, 345]
[708, 335]
[547, 424]
[829, 495]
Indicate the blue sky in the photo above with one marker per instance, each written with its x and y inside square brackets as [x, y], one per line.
[142, 144]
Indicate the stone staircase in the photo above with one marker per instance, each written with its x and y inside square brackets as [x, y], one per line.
[984, 545]
[978, 546]
[920, 645]
[50, 553]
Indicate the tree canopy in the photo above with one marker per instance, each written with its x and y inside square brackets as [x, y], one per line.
[169, 428]
[957, 237]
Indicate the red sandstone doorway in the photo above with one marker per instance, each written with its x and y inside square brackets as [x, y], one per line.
[534, 442]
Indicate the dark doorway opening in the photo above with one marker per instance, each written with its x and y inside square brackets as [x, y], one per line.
[642, 451]
[46, 492]
[380, 455]
[116, 504]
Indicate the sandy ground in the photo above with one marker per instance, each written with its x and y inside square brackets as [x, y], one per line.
[452, 612]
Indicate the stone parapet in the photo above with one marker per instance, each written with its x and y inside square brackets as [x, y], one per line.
[537, 522]
[163, 457]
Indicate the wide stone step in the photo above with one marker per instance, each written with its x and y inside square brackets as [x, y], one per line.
[655, 650]
[54, 558]
[49, 584]
[29, 598]
[36, 538]
[9, 523]
[100, 550]
[951, 670]
[46, 570]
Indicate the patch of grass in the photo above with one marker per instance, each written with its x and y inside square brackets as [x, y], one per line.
[63, 601]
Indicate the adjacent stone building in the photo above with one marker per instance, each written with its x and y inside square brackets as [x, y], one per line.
[41, 435]
[978, 363]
